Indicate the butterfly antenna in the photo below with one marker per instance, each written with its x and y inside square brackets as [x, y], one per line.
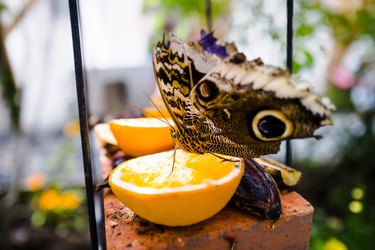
[153, 103]
[217, 28]
[138, 108]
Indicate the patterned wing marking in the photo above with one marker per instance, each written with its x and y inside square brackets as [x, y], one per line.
[173, 77]
[224, 104]
[255, 106]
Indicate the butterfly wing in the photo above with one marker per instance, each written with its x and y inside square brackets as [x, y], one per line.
[173, 76]
[178, 66]
[252, 107]
[222, 103]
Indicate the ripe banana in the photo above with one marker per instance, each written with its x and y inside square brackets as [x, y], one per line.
[258, 192]
[283, 175]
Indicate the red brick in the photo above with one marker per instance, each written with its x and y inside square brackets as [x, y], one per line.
[124, 230]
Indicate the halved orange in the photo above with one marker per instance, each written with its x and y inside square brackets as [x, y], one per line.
[158, 108]
[156, 112]
[142, 136]
[198, 187]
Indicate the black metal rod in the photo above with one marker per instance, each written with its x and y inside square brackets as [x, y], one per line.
[209, 15]
[83, 119]
[289, 64]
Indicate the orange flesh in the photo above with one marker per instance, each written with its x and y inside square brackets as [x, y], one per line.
[186, 171]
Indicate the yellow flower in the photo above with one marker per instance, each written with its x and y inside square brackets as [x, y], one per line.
[355, 207]
[49, 200]
[334, 244]
[358, 193]
[70, 200]
[71, 129]
[52, 200]
[35, 182]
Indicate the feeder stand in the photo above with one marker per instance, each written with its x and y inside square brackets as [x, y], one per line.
[97, 227]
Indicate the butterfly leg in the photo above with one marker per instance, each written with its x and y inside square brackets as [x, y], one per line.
[174, 159]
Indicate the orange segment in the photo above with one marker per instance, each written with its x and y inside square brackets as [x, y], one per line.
[199, 186]
[142, 136]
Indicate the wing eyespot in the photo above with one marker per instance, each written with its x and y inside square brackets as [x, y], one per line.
[271, 125]
[207, 90]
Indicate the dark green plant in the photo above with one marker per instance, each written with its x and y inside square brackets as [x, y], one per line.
[9, 89]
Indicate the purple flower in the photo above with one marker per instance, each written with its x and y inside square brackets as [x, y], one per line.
[208, 42]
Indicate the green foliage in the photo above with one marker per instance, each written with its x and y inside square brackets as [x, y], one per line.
[3, 7]
[179, 17]
[359, 23]
[354, 230]
[8, 87]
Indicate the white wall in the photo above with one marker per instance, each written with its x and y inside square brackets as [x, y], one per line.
[40, 51]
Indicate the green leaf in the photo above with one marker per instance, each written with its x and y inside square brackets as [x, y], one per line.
[304, 30]
[296, 66]
[79, 224]
[38, 219]
[309, 59]
[3, 7]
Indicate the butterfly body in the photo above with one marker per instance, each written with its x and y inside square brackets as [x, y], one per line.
[224, 104]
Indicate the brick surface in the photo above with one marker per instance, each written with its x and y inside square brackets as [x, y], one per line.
[231, 226]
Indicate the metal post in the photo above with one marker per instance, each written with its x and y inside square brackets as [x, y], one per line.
[289, 64]
[83, 120]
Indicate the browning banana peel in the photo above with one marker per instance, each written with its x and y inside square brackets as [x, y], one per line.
[258, 192]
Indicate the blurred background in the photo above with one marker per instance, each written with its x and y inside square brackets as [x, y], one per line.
[42, 197]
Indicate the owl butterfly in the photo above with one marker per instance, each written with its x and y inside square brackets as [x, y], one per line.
[222, 103]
